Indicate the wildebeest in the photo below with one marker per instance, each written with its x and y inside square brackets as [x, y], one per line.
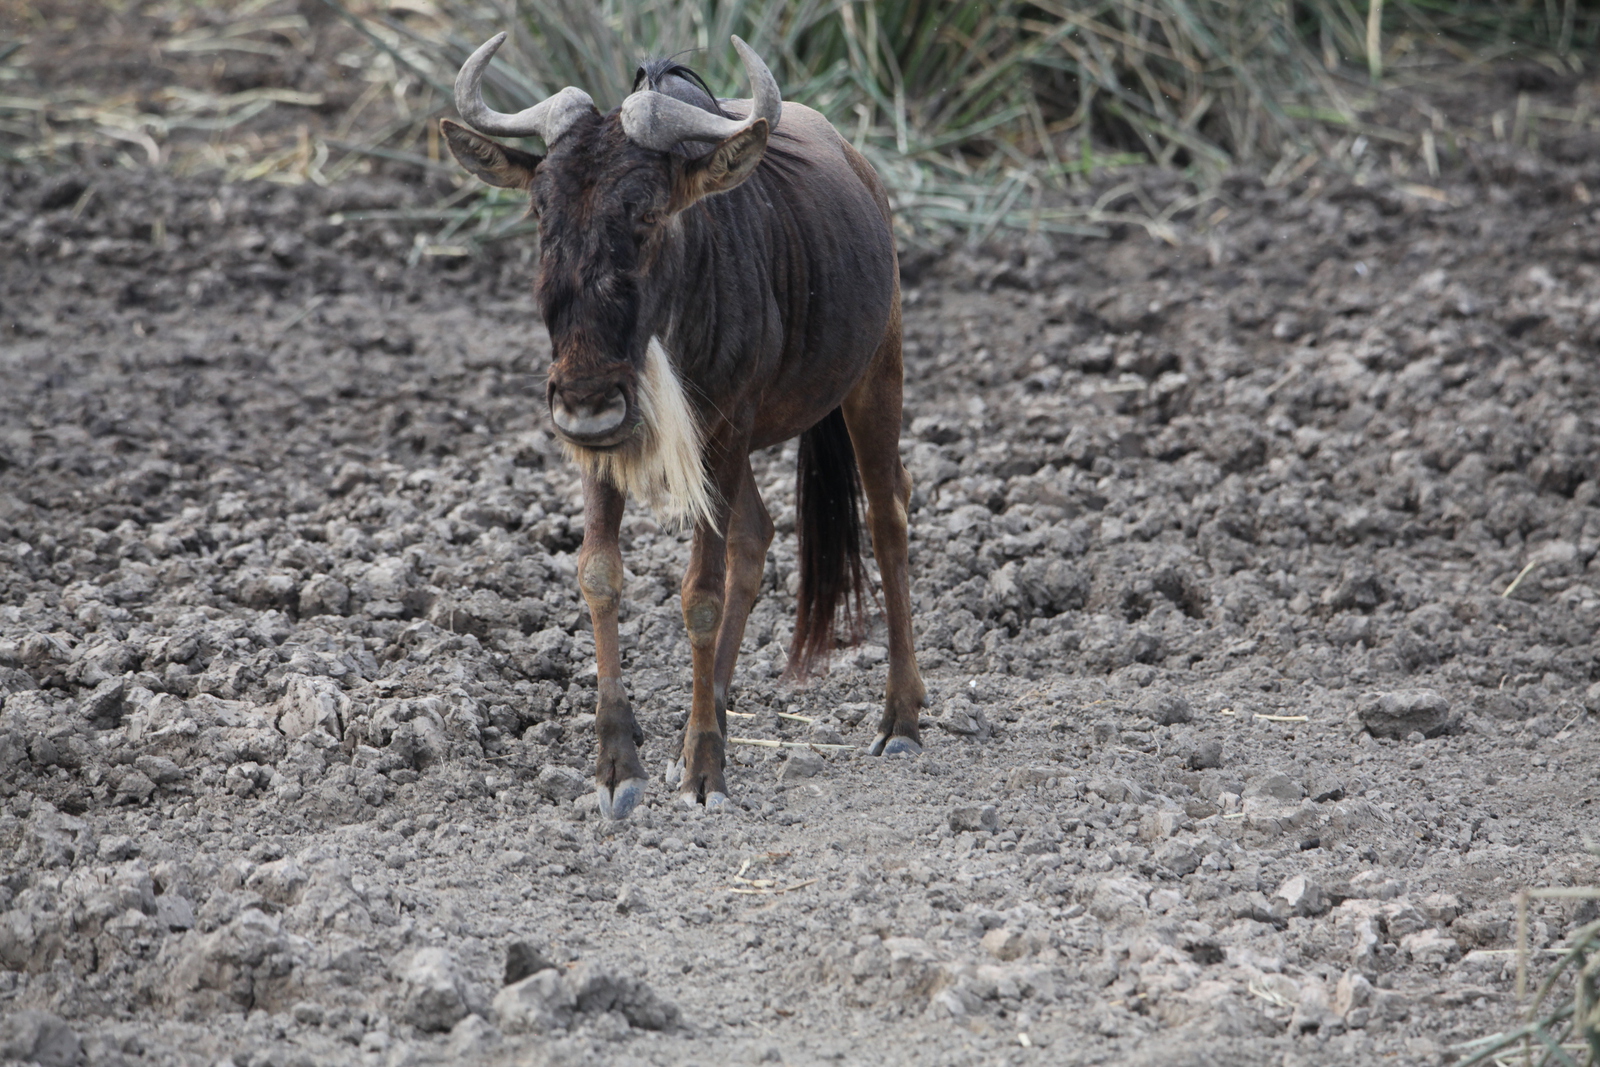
[715, 281]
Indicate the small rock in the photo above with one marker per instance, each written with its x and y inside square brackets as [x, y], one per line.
[1311, 1013]
[950, 1002]
[1166, 709]
[1160, 825]
[1433, 948]
[309, 704]
[965, 719]
[470, 1038]
[1375, 885]
[1441, 908]
[522, 960]
[1326, 788]
[248, 956]
[132, 786]
[598, 989]
[15, 681]
[1353, 994]
[851, 714]
[1401, 917]
[1025, 777]
[1391, 1005]
[537, 1004]
[872, 960]
[1424, 1049]
[1005, 945]
[1205, 756]
[323, 595]
[1117, 790]
[1303, 896]
[1499, 704]
[175, 912]
[561, 783]
[1406, 711]
[975, 817]
[1278, 787]
[1200, 808]
[117, 848]
[824, 734]
[159, 769]
[802, 763]
[870, 655]
[41, 1038]
[544, 733]
[279, 881]
[434, 999]
[1178, 858]
[630, 898]
[103, 707]
[1122, 899]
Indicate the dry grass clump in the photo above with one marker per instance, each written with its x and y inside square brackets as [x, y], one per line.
[974, 112]
[1563, 1017]
[978, 114]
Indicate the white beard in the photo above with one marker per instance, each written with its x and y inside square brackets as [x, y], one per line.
[663, 462]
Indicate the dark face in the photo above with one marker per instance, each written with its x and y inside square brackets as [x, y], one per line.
[607, 213]
[603, 205]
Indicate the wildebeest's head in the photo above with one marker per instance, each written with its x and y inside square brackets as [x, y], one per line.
[607, 196]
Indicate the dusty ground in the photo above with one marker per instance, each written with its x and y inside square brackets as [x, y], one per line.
[297, 684]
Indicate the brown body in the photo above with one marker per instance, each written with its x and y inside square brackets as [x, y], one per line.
[765, 271]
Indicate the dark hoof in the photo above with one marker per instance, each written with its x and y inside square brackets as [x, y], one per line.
[717, 803]
[701, 777]
[620, 803]
[884, 745]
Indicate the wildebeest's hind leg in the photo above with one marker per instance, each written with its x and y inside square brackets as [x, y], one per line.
[872, 412]
[619, 776]
[749, 537]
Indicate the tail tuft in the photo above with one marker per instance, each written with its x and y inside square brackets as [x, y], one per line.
[828, 529]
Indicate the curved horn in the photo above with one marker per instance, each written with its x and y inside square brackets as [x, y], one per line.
[548, 119]
[655, 120]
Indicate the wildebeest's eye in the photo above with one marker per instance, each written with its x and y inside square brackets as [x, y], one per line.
[650, 218]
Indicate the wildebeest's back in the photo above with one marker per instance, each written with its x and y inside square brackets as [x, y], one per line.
[814, 276]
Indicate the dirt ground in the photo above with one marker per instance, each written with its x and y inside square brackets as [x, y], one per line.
[1239, 747]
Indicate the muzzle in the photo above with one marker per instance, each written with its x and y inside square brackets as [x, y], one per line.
[592, 412]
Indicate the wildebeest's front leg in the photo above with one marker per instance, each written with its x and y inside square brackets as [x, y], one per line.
[872, 412]
[619, 776]
[704, 591]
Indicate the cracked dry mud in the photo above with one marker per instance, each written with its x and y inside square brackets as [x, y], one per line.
[1237, 754]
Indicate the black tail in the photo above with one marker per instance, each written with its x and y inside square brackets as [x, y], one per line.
[828, 528]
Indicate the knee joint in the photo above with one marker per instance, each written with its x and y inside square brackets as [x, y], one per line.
[702, 614]
[600, 579]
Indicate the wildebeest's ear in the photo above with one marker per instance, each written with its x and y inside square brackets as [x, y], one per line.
[495, 163]
[724, 167]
